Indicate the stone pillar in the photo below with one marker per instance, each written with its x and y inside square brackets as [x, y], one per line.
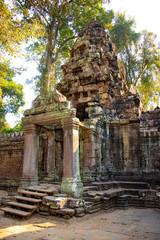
[71, 181]
[30, 160]
[51, 156]
[89, 155]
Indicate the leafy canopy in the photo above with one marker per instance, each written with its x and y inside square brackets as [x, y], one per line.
[11, 94]
[11, 35]
[141, 56]
[60, 22]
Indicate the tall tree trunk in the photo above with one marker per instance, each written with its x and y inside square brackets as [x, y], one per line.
[49, 57]
[48, 70]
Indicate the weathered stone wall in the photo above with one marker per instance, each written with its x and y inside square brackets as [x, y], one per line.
[120, 148]
[11, 158]
[110, 148]
[124, 146]
[150, 142]
[12, 152]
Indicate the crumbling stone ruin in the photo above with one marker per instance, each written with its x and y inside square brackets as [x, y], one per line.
[92, 80]
[89, 136]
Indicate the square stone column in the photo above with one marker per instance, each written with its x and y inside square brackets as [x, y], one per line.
[51, 156]
[30, 160]
[71, 181]
[89, 155]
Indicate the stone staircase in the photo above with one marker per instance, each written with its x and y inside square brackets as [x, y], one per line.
[119, 194]
[98, 196]
[27, 201]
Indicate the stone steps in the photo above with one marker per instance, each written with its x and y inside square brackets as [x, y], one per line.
[115, 194]
[27, 202]
[31, 193]
[129, 178]
[47, 191]
[22, 205]
[121, 184]
[13, 211]
[97, 197]
[27, 199]
[90, 188]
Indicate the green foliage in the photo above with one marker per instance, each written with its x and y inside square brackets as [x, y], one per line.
[8, 129]
[122, 32]
[13, 32]
[11, 94]
[148, 65]
[141, 57]
[60, 23]
[125, 38]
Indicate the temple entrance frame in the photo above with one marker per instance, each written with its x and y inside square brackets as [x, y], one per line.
[71, 181]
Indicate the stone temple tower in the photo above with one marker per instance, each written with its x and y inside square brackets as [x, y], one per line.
[94, 80]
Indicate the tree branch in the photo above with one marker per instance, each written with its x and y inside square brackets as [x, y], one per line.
[62, 44]
[55, 36]
[40, 13]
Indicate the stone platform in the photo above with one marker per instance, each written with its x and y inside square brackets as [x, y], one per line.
[96, 197]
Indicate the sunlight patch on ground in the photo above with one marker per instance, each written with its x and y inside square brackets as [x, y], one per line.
[6, 232]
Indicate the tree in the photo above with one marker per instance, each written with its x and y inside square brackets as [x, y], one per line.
[17, 128]
[11, 35]
[147, 76]
[60, 22]
[11, 94]
[141, 57]
[125, 38]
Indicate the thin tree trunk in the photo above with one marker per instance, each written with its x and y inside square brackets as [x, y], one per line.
[49, 57]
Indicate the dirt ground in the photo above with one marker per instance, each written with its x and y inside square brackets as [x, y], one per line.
[117, 225]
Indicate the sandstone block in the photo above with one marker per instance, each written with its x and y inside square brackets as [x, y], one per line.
[80, 89]
[102, 90]
[44, 208]
[54, 202]
[44, 213]
[104, 95]
[89, 153]
[89, 145]
[75, 203]
[85, 99]
[91, 87]
[79, 212]
[100, 84]
[65, 211]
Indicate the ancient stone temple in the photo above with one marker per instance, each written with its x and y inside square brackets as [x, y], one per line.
[94, 82]
[92, 129]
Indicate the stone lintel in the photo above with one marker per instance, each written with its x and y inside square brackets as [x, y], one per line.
[49, 118]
